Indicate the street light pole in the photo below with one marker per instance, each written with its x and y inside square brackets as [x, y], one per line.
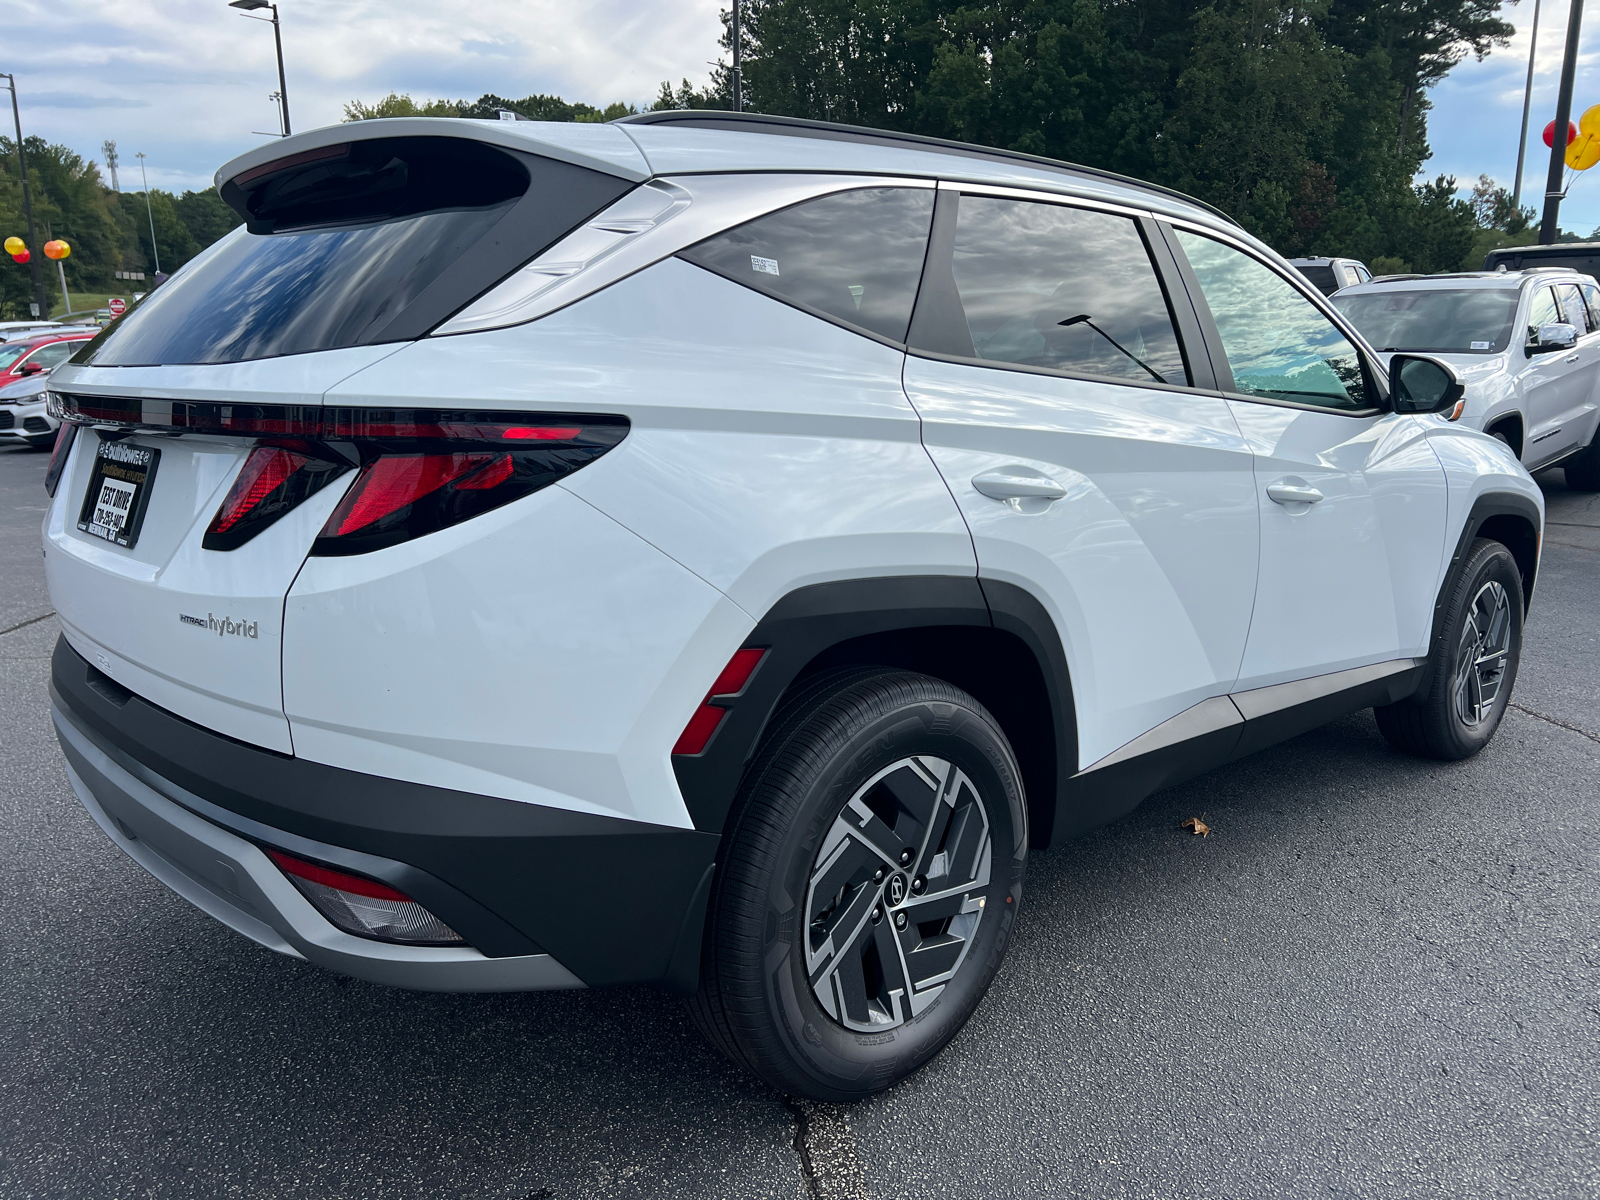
[149, 212]
[1527, 103]
[247, 7]
[27, 205]
[1558, 143]
[738, 74]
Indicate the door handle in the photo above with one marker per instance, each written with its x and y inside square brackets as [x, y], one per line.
[1571, 358]
[1292, 491]
[1008, 483]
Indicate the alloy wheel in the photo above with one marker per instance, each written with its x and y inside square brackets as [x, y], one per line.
[1482, 655]
[896, 892]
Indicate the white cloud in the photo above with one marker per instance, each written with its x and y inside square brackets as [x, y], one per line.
[187, 81]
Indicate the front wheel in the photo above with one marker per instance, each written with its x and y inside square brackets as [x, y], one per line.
[1473, 664]
[869, 885]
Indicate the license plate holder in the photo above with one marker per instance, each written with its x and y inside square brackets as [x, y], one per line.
[119, 492]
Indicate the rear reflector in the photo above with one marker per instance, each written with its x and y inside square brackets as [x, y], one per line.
[729, 683]
[364, 906]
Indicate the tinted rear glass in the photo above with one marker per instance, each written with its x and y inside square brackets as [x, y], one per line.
[349, 245]
[855, 257]
[1322, 277]
[1464, 321]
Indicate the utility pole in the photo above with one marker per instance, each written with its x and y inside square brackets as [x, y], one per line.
[738, 75]
[1558, 143]
[247, 7]
[149, 212]
[40, 303]
[109, 149]
[1527, 103]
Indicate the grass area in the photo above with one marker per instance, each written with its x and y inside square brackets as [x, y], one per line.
[89, 301]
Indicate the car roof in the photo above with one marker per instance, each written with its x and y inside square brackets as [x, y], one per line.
[44, 339]
[705, 141]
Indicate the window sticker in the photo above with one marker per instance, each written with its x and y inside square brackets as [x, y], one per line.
[1481, 345]
[768, 266]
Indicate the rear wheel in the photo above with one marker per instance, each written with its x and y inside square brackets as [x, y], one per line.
[1583, 469]
[868, 888]
[1473, 664]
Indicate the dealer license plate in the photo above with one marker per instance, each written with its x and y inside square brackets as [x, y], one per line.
[119, 490]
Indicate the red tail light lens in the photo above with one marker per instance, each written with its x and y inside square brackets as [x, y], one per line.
[65, 436]
[364, 906]
[273, 480]
[730, 682]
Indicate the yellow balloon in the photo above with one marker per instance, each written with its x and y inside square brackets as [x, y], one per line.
[15, 245]
[1590, 121]
[1583, 151]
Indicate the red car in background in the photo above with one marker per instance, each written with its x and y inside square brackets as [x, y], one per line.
[29, 356]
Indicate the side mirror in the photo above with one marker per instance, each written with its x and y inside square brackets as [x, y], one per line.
[1423, 385]
[29, 369]
[1557, 335]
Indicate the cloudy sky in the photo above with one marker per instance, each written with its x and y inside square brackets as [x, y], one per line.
[187, 81]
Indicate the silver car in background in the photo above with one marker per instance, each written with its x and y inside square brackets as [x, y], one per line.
[1525, 343]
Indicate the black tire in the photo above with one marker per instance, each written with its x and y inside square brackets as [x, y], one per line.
[756, 1002]
[1583, 469]
[1449, 718]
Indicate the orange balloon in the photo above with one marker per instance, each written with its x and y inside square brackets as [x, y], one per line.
[57, 249]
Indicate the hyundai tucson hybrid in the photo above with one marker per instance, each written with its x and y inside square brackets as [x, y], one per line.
[715, 551]
[1526, 345]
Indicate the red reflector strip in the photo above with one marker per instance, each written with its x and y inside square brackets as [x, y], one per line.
[263, 471]
[737, 673]
[356, 885]
[697, 733]
[390, 483]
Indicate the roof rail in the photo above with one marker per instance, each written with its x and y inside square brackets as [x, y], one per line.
[748, 122]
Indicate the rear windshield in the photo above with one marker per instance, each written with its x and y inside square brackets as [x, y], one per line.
[1476, 321]
[370, 241]
[1322, 277]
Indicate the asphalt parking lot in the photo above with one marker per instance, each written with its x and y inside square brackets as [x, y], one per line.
[1379, 977]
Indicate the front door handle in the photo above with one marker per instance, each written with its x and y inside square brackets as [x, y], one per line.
[1010, 483]
[1571, 358]
[1292, 491]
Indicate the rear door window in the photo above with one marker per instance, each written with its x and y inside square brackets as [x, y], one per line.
[1279, 345]
[1065, 289]
[1572, 307]
[370, 241]
[854, 257]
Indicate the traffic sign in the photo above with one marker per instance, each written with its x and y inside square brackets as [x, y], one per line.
[117, 305]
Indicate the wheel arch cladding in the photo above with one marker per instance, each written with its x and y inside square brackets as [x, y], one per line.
[1507, 518]
[1511, 426]
[994, 641]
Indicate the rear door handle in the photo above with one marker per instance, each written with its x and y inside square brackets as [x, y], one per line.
[1292, 491]
[1010, 483]
[1572, 358]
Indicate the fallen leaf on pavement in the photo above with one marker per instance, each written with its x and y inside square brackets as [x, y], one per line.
[1196, 825]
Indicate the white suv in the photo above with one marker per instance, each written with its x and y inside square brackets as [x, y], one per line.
[1526, 345]
[712, 550]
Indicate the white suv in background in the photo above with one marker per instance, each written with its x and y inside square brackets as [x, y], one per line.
[712, 550]
[1526, 345]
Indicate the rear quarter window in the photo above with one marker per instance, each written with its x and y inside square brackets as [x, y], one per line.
[370, 241]
[854, 257]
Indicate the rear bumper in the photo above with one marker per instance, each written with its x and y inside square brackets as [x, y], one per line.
[545, 898]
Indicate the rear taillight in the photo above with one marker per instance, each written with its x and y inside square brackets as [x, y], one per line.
[729, 683]
[419, 470]
[65, 436]
[364, 906]
[273, 480]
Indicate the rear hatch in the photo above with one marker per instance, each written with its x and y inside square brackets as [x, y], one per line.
[205, 466]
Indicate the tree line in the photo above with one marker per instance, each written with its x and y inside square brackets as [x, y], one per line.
[109, 231]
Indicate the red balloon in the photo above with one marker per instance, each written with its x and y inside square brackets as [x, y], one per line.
[22, 256]
[1550, 134]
